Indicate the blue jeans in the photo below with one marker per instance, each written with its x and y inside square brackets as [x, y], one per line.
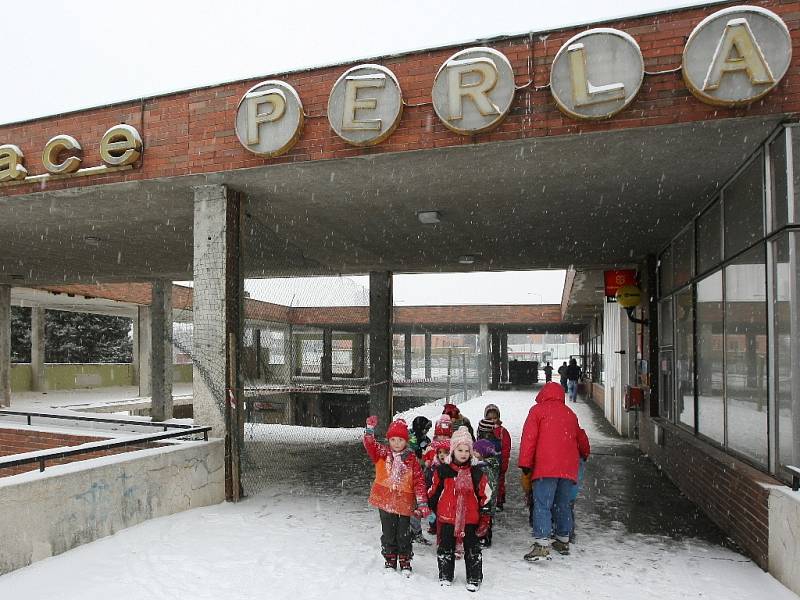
[552, 497]
[572, 389]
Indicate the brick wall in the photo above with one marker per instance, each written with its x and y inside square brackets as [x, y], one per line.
[193, 131]
[19, 441]
[729, 491]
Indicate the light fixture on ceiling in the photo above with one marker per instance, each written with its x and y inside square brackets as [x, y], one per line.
[429, 217]
[466, 259]
[91, 240]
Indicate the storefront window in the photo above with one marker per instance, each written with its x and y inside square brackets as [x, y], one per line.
[665, 328]
[778, 168]
[786, 346]
[684, 357]
[666, 385]
[710, 404]
[746, 354]
[795, 133]
[683, 257]
[743, 202]
[665, 272]
[709, 238]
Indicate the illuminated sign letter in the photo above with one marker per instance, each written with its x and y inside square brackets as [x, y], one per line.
[352, 102]
[583, 92]
[738, 51]
[273, 98]
[121, 145]
[54, 147]
[471, 78]
[11, 160]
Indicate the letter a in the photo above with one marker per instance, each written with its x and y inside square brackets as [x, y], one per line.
[738, 50]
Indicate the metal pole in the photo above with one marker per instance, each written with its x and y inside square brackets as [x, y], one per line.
[449, 370]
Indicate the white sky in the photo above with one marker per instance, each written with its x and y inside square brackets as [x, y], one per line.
[71, 55]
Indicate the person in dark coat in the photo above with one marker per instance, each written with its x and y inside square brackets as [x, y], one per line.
[573, 376]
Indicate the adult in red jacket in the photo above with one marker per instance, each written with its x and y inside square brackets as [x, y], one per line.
[552, 444]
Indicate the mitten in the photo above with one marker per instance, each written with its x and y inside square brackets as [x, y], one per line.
[422, 511]
[484, 523]
[527, 486]
[372, 422]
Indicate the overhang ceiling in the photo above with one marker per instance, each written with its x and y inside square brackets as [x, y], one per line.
[589, 200]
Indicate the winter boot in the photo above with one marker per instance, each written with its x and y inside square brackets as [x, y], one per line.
[391, 561]
[561, 547]
[473, 586]
[419, 538]
[405, 565]
[538, 552]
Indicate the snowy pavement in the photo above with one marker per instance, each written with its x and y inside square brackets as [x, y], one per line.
[310, 534]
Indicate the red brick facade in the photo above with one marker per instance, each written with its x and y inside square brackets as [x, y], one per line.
[20, 441]
[193, 131]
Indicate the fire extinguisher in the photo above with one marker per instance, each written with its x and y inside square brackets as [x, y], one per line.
[634, 398]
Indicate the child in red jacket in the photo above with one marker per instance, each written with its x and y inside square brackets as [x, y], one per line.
[397, 492]
[462, 493]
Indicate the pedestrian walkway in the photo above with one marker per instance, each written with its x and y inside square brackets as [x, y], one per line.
[310, 534]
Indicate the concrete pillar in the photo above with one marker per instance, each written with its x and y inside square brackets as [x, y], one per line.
[218, 294]
[326, 368]
[161, 359]
[495, 360]
[144, 351]
[5, 345]
[504, 357]
[483, 357]
[428, 348]
[380, 343]
[407, 356]
[38, 379]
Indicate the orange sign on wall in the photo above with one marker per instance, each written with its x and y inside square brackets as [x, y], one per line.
[616, 279]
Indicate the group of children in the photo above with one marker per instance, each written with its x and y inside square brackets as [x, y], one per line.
[454, 481]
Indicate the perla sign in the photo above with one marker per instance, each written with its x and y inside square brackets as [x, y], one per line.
[732, 58]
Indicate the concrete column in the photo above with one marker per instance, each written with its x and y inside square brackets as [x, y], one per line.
[217, 317]
[161, 359]
[495, 360]
[504, 357]
[38, 379]
[326, 368]
[380, 343]
[407, 356]
[5, 345]
[483, 357]
[144, 351]
[428, 348]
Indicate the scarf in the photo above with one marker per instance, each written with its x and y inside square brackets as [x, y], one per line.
[396, 470]
[463, 487]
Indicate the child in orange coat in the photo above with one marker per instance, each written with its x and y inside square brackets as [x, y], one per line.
[397, 492]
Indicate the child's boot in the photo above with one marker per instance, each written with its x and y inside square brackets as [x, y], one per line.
[405, 564]
[391, 561]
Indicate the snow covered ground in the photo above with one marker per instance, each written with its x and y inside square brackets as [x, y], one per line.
[311, 535]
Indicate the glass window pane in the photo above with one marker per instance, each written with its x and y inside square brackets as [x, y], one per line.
[746, 354]
[708, 319]
[709, 238]
[683, 257]
[778, 167]
[787, 346]
[665, 272]
[666, 384]
[684, 357]
[795, 133]
[665, 328]
[744, 208]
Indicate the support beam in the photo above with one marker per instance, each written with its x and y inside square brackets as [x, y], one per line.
[38, 379]
[5, 345]
[380, 343]
[407, 356]
[495, 360]
[483, 357]
[326, 368]
[504, 357]
[144, 351]
[428, 348]
[161, 359]
[359, 355]
[218, 293]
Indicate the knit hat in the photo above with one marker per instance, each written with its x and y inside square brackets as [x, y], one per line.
[440, 445]
[486, 426]
[484, 448]
[421, 425]
[461, 437]
[444, 427]
[489, 408]
[451, 410]
[398, 428]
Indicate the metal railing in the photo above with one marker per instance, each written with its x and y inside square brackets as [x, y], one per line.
[42, 456]
[73, 417]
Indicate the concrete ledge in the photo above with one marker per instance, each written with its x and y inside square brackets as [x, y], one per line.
[44, 514]
[784, 536]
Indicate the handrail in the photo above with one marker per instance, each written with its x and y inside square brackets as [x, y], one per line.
[24, 413]
[795, 477]
[44, 455]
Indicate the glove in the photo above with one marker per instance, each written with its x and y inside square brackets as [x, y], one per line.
[527, 486]
[422, 511]
[372, 422]
[484, 523]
